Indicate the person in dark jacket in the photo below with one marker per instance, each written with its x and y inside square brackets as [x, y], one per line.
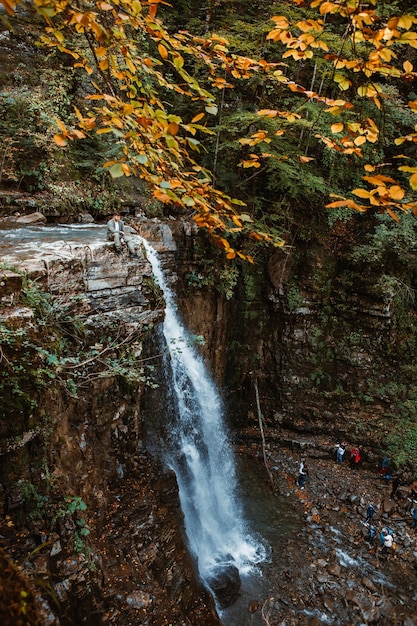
[395, 484]
[116, 232]
[370, 513]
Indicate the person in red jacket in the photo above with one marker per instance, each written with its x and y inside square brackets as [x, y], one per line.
[355, 458]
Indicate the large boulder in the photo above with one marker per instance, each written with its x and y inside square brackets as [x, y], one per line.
[32, 218]
[224, 582]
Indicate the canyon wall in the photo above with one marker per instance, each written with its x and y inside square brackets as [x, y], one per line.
[91, 516]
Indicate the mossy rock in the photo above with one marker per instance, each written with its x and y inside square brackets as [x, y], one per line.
[17, 601]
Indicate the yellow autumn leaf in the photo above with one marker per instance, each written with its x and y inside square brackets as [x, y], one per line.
[252, 163]
[361, 193]
[280, 21]
[413, 181]
[359, 141]
[408, 67]
[163, 51]
[118, 123]
[369, 168]
[378, 179]
[130, 65]
[396, 192]
[337, 128]
[406, 21]
[267, 112]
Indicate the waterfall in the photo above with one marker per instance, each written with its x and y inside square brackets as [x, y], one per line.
[201, 457]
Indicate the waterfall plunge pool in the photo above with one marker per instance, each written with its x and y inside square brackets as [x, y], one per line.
[276, 518]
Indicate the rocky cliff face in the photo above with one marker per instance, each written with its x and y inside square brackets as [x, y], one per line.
[93, 518]
[331, 350]
[326, 354]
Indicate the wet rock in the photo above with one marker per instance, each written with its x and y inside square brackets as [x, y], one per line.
[389, 506]
[370, 612]
[56, 548]
[225, 583]
[32, 218]
[254, 606]
[86, 218]
[334, 569]
[328, 603]
[139, 600]
[367, 582]
[10, 282]
[322, 578]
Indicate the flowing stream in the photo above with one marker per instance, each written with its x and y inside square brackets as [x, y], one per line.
[201, 456]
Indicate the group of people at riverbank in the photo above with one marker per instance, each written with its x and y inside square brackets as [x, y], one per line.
[356, 456]
[386, 537]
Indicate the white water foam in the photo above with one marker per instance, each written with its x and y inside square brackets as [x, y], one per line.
[202, 457]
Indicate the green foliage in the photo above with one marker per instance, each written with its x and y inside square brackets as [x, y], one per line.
[294, 298]
[217, 274]
[51, 506]
[35, 503]
[401, 443]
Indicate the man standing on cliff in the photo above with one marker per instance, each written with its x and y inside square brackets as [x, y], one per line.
[116, 232]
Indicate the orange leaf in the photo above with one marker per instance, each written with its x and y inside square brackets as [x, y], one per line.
[337, 128]
[362, 193]
[396, 192]
[225, 244]
[60, 140]
[173, 128]
[9, 5]
[197, 118]
[413, 181]
[78, 134]
[163, 51]
[267, 112]
[393, 215]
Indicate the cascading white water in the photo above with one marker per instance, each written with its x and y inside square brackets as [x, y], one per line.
[201, 455]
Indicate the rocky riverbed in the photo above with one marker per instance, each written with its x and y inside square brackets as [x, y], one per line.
[328, 572]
